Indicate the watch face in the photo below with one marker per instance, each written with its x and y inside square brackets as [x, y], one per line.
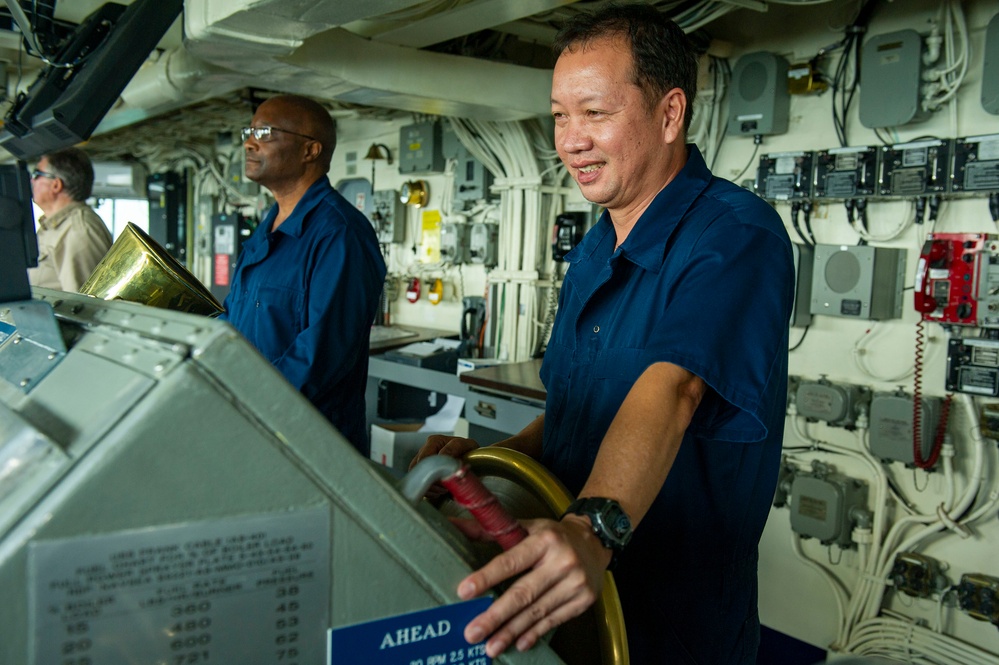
[619, 524]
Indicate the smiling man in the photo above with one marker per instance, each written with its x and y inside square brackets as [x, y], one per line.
[307, 282]
[666, 371]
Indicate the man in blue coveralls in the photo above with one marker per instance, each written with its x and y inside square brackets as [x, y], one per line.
[307, 282]
[665, 373]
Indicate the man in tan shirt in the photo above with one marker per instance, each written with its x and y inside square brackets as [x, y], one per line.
[72, 238]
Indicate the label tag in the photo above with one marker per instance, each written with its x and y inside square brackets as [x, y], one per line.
[425, 637]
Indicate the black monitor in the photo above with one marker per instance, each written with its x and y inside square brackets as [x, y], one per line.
[18, 247]
[88, 72]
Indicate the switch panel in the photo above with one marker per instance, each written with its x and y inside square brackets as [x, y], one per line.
[846, 173]
[784, 176]
[388, 216]
[973, 365]
[825, 505]
[915, 169]
[420, 149]
[976, 164]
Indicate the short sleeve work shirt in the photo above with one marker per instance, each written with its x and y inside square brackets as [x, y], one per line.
[305, 296]
[704, 281]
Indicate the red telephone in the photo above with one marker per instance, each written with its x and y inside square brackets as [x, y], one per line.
[953, 279]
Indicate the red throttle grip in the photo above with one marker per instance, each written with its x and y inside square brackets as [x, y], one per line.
[469, 492]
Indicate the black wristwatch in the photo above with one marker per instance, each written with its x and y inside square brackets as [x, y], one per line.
[610, 523]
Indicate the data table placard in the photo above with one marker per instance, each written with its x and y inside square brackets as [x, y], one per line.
[249, 589]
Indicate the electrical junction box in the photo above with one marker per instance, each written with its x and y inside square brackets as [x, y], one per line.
[388, 216]
[825, 505]
[973, 365]
[989, 418]
[835, 403]
[784, 176]
[990, 68]
[454, 242]
[918, 575]
[978, 595]
[976, 164]
[846, 173]
[759, 103]
[891, 426]
[957, 279]
[420, 149]
[471, 179]
[859, 281]
[915, 169]
[803, 256]
[891, 68]
[483, 244]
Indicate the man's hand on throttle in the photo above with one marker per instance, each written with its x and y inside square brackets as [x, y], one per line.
[565, 563]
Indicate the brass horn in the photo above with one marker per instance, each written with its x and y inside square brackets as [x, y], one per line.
[138, 269]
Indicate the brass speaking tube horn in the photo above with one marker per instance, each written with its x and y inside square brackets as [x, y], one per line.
[138, 269]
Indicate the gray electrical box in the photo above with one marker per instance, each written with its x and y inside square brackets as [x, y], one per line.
[825, 505]
[388, 216]
[890, 80]
[420, 148]
[471, 179]
[454, 243]
[835, 403]
[803, 256]
[990, 68]
[858, 281]
[483, 244]
[891, 426]
[759, 103]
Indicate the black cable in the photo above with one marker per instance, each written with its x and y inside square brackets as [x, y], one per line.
[795, 209]
[920, 209]
[934, 207]
[862, 213]
[806, 209]
[751, 161]
[803, 334]
[994, 206]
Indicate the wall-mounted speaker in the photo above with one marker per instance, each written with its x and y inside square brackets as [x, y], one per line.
[759, 102]
[858, 281]
[990, 68]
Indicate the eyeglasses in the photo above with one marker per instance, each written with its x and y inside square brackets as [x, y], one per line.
[36, 174]
[265, 133]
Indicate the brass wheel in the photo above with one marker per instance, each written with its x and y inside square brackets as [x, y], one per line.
[527, 490]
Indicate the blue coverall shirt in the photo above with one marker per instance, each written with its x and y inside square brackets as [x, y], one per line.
[306, 295]
[705, 281]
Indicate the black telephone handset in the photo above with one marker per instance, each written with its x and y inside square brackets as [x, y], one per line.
[566, 233]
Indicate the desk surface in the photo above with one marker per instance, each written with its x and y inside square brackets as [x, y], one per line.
[422, 335]
[520, 379]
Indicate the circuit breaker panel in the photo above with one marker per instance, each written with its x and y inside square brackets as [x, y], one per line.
[957, 279]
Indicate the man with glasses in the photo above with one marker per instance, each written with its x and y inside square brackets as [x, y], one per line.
[307, 282]
[72, 238]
